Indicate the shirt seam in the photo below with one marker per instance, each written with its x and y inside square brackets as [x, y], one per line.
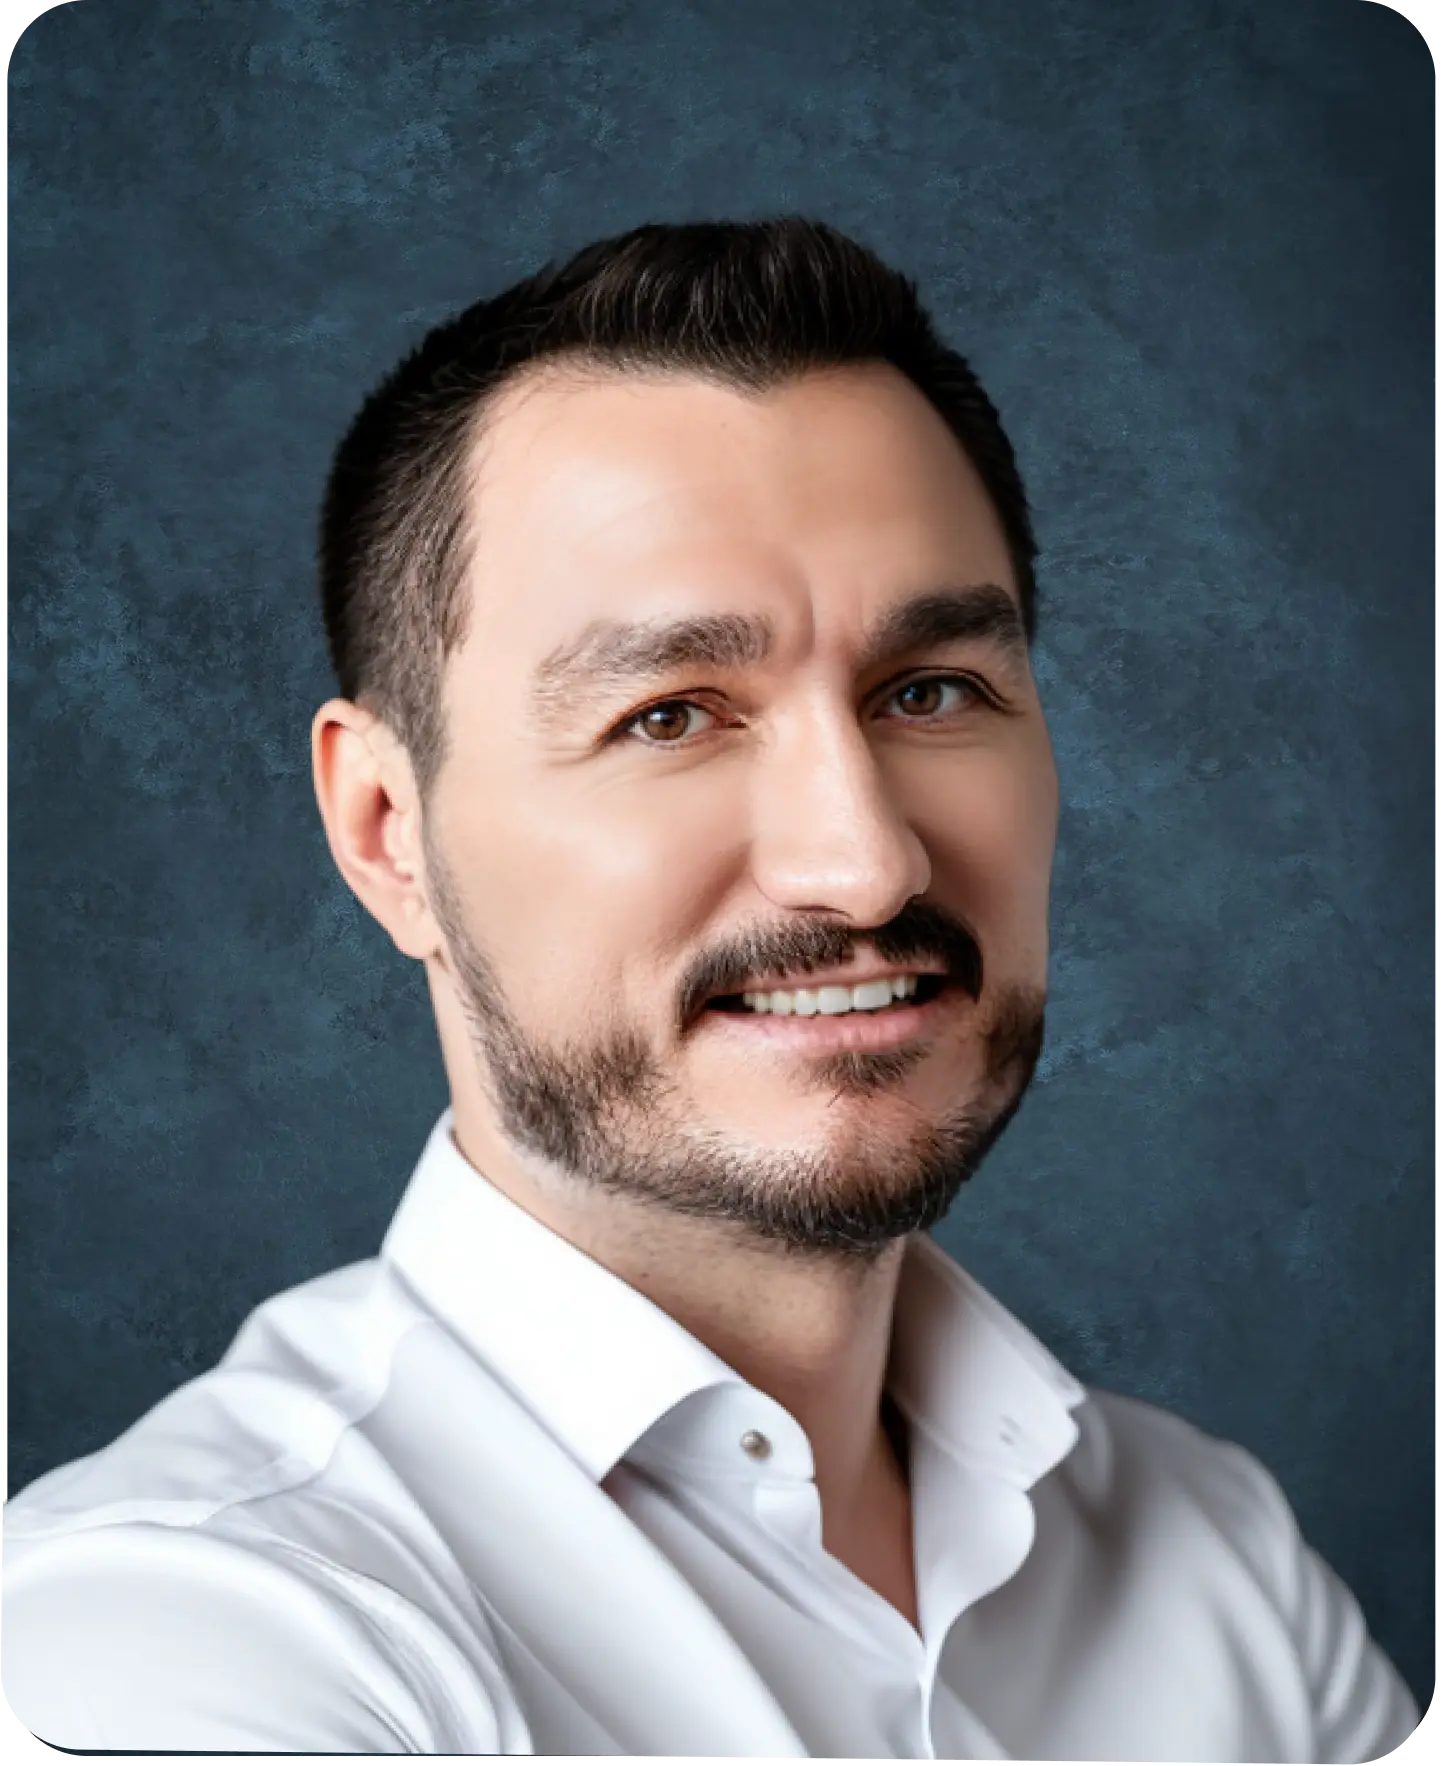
[372, 1595]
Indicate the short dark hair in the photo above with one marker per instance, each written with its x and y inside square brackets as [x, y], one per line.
[747, 304]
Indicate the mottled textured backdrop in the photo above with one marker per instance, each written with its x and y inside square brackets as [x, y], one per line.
[1189, 249]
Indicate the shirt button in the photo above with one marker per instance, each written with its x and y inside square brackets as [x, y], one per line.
[1009, 1431]
[754, 1444]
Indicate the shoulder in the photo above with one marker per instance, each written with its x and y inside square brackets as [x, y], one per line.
[1178, 1499]
[242, 1568]
[302, 1369]
[1131, 1440]
[1145, 1456]
[153, 1638]
[1145, 1460]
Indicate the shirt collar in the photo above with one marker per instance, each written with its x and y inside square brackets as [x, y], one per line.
[967, 1372]
[600, 1365]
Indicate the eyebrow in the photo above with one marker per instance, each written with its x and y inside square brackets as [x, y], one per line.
[610, 653]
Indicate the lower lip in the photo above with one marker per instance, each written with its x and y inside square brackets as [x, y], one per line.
[888, 1028]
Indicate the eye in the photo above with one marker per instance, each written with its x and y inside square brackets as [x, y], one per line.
[666, 724]
[960, 682]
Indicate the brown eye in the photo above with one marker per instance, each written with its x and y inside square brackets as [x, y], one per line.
[668, 722]
[921, 698]
[935, 696]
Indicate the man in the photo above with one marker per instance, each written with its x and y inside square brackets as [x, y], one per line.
[681, 602]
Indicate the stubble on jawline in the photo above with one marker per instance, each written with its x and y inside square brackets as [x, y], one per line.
[600, 1115]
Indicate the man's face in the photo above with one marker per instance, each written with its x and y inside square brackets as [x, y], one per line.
[743, 717]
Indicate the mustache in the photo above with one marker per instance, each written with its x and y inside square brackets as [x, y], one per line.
[919, 933]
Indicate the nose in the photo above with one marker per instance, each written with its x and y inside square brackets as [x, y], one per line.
[829, 835]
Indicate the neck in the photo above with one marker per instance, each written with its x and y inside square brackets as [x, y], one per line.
[810, 1331]
[813, 1333]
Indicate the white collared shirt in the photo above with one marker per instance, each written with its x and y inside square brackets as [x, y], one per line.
[478, 1495]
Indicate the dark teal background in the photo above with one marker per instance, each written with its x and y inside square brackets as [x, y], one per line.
[1188, 247]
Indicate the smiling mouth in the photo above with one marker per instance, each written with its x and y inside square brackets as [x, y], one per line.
[827, 1027]
[928, 988]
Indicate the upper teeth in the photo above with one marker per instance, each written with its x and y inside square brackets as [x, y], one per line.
[803, 1002]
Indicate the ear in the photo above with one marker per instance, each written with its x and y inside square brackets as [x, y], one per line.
[367, 796]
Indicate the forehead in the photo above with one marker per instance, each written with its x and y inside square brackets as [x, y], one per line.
[604, 495]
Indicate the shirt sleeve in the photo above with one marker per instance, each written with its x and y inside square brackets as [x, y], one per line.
[150, 1638]
[1360, 1704]
[1363, 1707]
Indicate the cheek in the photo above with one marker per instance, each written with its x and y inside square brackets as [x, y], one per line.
[649, 849]
[595, 891]
[1027, 831]
[1040, 820]
[996, 843]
